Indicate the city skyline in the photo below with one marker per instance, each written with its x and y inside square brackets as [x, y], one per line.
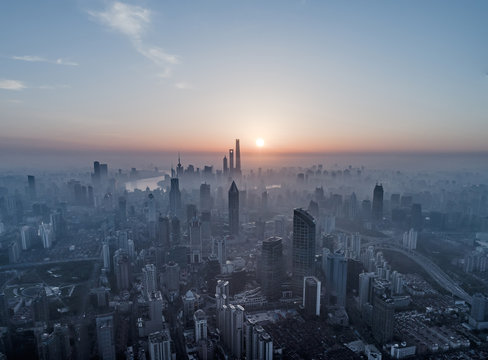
[307, 77]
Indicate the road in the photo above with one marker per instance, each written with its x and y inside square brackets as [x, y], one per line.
[50, 262]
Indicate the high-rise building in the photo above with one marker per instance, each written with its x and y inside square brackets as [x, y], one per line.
[365, 288]
[179, 167]
[271, 267]
[378, 202]
[175, 197]
[479, 308]
[106, 256]
[150, 278]
[225, 166]
[336, 279]
[205, 197]
[122, 269]
[171, 279]
[409, 240]
[383, 318]
[234, 209]
[159, 344]
[311, 295]
[195, 240]
[106, 337]
[238, 158]
[31, 180]
[96, 173]
[200, 322]
[231, 161]
[163, 232]
[303, 247]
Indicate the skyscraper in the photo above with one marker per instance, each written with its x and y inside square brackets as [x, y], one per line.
[234, 209]
[336, 279]
[383, 318]
[303, 247]
[175, 197]
[205, 198]
[163, 232]
[231, 161]
[31, 180]
[122, 269]
[159, 344]
[311, 295]
[106, 337]
[238, 158]
[272, 267]
[378, 202]
[225, 166]
[149, 276]
[200, 322]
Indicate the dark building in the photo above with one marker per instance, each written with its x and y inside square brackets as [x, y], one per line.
[163, 232]
[366, 209]
[175, 231]
[238, 158]
[416, 216]
[231, 161]
[205, 198]
[303, 247]
[378, 202]
[234, 209]
[271, 269]
[31, 180]
[383, 312]
[175, 197]
[225, 166]
[311, 295]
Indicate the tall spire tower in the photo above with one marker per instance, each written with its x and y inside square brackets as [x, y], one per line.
[238, 158]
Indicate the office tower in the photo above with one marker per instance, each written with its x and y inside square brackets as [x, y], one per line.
[31, 180]
[311, 295]
[200, 322]
[26, 237]
[123, 240]
[159, 344]
[122, 269]
[96, 173]
[106, 256]
[189, 301]
[265, 346]
[416, 216]
[225, 167]
[234, 209]
[238, 158]
[394, 201]
[409, 240]
[356, 245]
[13, 252]
[55, 345]
[206, 233]
[106, 337]
[479, 308]
[222, 301]
[205, 198]
[40, 305]
[336, 279]
[231, 161]
[163, 232]
[233, 333]
[47, 235]
[175, 230]
[191, 213]
[378, 202]
[272, 267]
[219, 250]
[303, 247]
[366, 281]
[122, 211]
[150, 278]
[195, 241]
[383, 318]
[175, 197]
[171, 279]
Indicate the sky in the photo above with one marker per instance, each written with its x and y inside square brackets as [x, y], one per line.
[307, 76]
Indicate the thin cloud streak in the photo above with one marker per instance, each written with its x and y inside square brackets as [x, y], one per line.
[35, 58]
[132, 21]
[14, 85]
[183, 86]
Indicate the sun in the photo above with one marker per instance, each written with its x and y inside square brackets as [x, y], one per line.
[259, 142]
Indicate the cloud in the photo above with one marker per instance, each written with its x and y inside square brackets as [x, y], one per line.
[35, 58]
[12, 85]
[132, 21]
[183, 85]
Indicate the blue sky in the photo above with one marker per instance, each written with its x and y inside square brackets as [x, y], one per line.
[304, 75]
